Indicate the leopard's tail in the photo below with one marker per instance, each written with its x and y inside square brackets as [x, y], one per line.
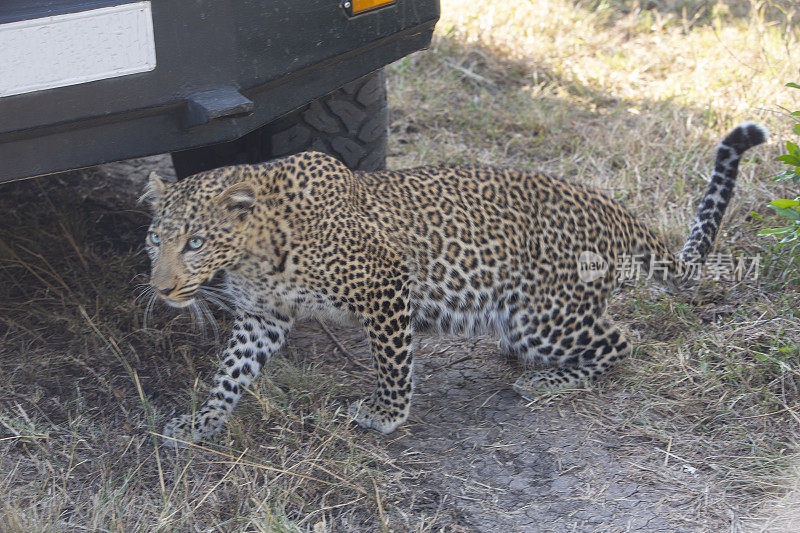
[656, 258]
[720, 190]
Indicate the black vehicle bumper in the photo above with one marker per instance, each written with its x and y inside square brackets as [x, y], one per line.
[273, 55]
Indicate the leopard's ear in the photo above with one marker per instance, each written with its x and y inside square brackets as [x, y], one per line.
[237, 198]
[153, 191]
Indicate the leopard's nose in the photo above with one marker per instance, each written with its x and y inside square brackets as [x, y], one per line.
[167, 291]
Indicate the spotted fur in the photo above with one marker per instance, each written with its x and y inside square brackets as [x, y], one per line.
[452, 249]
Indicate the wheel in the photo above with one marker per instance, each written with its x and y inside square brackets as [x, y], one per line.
[349, 123]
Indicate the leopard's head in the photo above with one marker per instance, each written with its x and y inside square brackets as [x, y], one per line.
[198, 228]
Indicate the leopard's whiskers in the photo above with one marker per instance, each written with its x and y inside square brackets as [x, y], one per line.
[149, 308]
[197, 317]
[202, 308]
[221, 299]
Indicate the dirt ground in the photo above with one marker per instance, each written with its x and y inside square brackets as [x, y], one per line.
[482, 458]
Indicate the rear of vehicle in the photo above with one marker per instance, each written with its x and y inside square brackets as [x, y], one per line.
[84, 82]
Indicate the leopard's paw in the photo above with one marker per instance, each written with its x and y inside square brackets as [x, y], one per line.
[371, 414]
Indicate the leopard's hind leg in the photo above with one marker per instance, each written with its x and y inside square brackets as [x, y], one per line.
[580, 346]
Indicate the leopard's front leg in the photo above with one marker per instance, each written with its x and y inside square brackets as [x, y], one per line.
[390, 339]
[253, 341]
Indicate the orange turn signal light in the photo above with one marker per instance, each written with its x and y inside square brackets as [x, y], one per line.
[356, 7]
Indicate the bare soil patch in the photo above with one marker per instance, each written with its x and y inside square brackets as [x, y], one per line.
[479, 456]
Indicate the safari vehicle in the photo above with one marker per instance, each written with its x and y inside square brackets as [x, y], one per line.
[214, 82]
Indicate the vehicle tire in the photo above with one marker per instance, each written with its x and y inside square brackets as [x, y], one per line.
[350, 123]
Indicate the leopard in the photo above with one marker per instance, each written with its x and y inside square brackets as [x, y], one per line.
[448, 249]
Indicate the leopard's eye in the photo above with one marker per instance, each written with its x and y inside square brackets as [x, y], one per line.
[195, 243]
[155, 238]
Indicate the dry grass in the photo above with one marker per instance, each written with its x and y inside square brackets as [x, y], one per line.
[629, 99]
[784, 513]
